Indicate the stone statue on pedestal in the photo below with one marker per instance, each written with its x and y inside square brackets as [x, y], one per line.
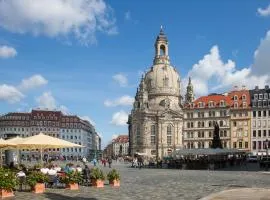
[216, 142]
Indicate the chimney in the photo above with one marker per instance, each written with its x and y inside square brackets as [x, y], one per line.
[256, 87]
[267, 87]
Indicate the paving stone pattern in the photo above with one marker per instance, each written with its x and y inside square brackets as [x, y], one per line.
[159, 184]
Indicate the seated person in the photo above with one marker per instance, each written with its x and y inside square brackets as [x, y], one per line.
[44, 170]
[57, 168]
[78, 168]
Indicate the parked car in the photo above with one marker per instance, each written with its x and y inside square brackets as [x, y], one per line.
[252, 158]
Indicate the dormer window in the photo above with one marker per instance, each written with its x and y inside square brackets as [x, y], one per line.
[211, 104]
[222, 103]
[201, 104]
[244, 97]
[235, 97]
[235, 105]
[260, 96]
[265, 96]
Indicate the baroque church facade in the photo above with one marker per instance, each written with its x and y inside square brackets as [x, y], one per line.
[156, 119]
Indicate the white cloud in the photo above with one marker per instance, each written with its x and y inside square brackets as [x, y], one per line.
[33, 82]
[127, 15]
[88, 119]
[10, 94]
[46, 101]
[114, 136]
[212, 71]
[264, 11]
[80, 19]
[122, 101]
[261, 57]
[7, 52]
[121, 79]
[64, 109]
[120, 118]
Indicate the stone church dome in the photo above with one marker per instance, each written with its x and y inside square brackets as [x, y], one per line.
[162, 78]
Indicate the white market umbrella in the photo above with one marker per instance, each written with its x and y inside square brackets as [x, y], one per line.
[42, 142]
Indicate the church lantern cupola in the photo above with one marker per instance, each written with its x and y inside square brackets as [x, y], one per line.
[161, 47]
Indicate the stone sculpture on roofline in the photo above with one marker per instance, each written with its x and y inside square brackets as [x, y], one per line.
[216, 142]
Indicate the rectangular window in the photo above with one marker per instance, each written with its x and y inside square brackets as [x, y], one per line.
[259, 133]
[259, 145]
[240, 145]
[169, 135]
[254, 145]
[264, 133]
[254, 113]
[254, 133]
[153, 135]
[264, 113]
[259, 113]
[246, 145]
[234, 145]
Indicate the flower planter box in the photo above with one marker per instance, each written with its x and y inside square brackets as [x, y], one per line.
[98, 183]
[39, 188]
[6, 193]
[72, 186]
[115, 183]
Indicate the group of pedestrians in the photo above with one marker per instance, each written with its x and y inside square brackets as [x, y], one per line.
[137, 162]
[108, 160]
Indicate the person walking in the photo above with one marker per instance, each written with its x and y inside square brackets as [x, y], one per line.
[110, 162]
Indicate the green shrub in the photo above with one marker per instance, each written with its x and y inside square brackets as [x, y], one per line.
[113, 175]
[36, 177]
[8, 180]
[97, 174]
[71, 177]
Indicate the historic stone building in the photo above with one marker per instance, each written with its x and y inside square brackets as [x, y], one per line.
[240, 121]
[260, 128]
[200, 117]
[155, 122]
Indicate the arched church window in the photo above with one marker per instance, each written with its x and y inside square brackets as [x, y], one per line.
[138, 135]
[153, 134]
[169, 135]
[162, 50]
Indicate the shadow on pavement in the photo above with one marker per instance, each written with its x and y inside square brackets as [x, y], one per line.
[55, 196]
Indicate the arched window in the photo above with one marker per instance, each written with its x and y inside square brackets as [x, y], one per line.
[162, 50]
[188, 124]
[235, 97]
[153, 134]
[235, 105]
[169, 135]
[199, 124]
[244, 97]
[210, 123]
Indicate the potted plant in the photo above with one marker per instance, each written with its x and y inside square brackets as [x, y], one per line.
[8, 182]
[114, 178]
[36, 180]
[71, 179]
[97, 177]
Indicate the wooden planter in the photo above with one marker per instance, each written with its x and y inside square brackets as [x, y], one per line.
[6, 193]
[72, 186]
[98, 183]
[115, 183]
[39, 188]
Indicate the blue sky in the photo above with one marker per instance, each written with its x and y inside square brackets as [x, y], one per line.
[86, 57]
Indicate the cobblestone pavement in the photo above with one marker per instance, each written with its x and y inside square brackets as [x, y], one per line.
[159, 184]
